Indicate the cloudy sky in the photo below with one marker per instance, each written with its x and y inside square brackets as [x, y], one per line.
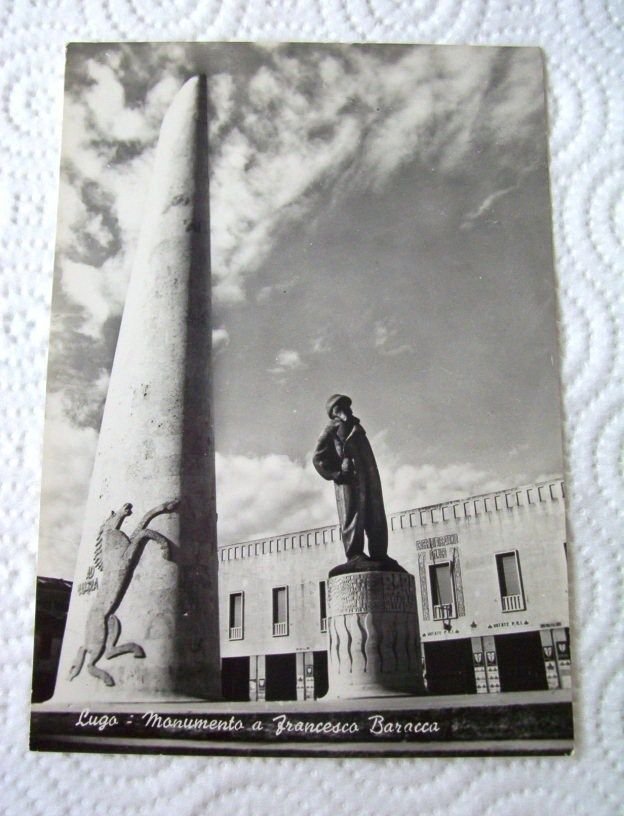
[380, 227]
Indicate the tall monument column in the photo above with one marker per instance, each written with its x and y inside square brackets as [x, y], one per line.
[143, 618]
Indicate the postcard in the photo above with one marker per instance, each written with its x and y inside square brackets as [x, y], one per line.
[303, 475]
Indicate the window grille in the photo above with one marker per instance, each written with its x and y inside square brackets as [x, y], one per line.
[280, 611]
[236, 616]
[442, 591]
[510, 582]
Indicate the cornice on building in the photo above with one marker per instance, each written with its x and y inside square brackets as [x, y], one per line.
[531, 495]
[467, 509]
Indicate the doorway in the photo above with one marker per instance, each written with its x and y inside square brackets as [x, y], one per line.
[449, 667]
[520, 662]
[235, 678]
[321, 681]
[281, 677]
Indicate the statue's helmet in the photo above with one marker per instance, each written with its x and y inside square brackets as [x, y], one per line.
[334, 401]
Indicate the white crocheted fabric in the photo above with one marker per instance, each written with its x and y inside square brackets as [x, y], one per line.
[582, 40]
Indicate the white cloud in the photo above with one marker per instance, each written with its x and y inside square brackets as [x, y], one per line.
[264, 87]
[287, 360]
[106, 100]
[100, 292]
[366, 117]
[265, 495]
[158, 100]
[282, 287]
[96, 124]
[72, 212]
[271, 495]
[89, 402]
[410, 486]
[321, 345]
[517, 98]
[405, 348]
[257, 191]
[220, 338]
[485, 206]
[68, 455]
[221, 94]
[111, 114]
[380, 334]
[264, 294]
[406, 485]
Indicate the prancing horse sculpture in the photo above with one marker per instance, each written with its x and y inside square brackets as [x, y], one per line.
[117, 556]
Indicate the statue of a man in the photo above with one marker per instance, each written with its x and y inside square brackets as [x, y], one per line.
[343, 455]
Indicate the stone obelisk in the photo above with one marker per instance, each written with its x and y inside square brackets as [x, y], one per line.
[143, 618]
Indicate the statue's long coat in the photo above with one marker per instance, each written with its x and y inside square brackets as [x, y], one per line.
[358, 495]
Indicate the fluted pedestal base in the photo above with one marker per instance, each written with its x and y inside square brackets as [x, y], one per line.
[373, 636]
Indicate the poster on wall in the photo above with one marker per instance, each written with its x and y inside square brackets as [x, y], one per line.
[302, 478]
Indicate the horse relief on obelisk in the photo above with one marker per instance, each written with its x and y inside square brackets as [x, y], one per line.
[143, 618]
[116, 557]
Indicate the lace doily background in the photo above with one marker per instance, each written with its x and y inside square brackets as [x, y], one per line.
[582, 40]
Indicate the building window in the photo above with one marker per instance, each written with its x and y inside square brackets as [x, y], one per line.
[280, 611]
[442, 591]
[323, 604]
[510, 581]
[236, 615]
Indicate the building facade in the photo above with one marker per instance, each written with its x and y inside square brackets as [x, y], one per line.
[491, 585]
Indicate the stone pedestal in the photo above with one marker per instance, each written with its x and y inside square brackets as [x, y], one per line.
[373, 636]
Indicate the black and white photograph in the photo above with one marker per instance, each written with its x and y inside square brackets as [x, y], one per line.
[303, 480]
